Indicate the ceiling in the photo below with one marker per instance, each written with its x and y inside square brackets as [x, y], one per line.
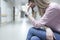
[17, 1]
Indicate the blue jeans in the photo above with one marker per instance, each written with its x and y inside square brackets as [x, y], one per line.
[39, 34]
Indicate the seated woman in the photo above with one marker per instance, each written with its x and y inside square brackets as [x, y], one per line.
[51, 18]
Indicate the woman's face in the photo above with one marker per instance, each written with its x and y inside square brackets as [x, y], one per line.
[32, 4]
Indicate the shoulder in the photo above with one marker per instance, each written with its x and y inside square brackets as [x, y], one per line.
[54, 5]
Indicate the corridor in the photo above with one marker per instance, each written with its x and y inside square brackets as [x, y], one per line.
[13, 23]
[15, 31]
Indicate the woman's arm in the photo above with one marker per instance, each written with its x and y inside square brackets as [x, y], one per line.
[48, 16]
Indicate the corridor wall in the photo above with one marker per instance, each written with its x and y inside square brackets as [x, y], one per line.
[6, 12]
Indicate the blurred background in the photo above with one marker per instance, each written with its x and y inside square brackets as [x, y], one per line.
[13, 24]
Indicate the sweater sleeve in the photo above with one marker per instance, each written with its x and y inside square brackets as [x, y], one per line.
[48, 16]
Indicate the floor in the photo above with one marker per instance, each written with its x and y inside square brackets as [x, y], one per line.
[15, 31]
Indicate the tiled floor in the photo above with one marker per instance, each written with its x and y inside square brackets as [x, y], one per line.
[15, 31]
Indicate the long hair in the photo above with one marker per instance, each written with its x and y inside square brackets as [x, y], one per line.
[42, 5]
[30, 1]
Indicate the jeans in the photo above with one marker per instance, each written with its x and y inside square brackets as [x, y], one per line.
[39, 34]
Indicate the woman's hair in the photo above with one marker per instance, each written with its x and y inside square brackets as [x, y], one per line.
[30, 1]
[42, 4]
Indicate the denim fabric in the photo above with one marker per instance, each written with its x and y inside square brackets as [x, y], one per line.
[39, 34]
[35, 38]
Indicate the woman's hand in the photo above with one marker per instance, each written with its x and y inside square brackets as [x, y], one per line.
[49, 34]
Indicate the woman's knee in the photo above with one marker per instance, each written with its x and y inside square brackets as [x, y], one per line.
[35, 38]
[30, 30]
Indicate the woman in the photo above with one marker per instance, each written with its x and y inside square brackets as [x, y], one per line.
[51, 18]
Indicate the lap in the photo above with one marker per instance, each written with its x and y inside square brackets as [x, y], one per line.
[41, 33]
[38, 32]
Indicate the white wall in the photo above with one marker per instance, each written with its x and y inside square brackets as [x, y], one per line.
[0, 11]
[6, 12]
[0, 3]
